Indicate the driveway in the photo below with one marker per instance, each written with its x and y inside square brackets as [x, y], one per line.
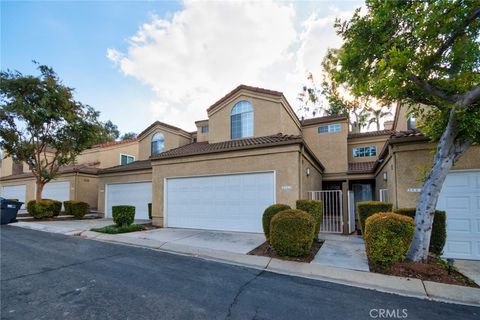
[52, 276]
[172, 238]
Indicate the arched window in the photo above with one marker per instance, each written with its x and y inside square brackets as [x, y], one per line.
[158, 143]
[241, 120]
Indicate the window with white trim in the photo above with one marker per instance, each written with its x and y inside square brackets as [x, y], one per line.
[334, 127]
[241, 120]
[158, 143]
[126, 159]
[204, 129]
[362, 152]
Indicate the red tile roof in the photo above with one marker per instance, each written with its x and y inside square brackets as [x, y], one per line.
[361, 167]
[249, 88]
[205, 147]
[87, 168]
[372, 134]
[133, 166]
[164, 125]
[113, 143]
[408, 133]
[311, 121]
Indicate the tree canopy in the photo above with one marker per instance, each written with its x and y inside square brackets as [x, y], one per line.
[41, 124]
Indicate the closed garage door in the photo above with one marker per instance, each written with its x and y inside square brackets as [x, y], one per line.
[15, 192]
[59, 191]
[138, 194]
[460, 198]
[223, 202]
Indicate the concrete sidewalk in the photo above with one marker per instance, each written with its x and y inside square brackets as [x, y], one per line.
[375, 281]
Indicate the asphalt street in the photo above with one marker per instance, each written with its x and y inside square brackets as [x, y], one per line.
[51, 276]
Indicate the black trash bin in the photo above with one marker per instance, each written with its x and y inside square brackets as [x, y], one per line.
[9, 210]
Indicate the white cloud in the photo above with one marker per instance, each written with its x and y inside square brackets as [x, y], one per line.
[208, 48]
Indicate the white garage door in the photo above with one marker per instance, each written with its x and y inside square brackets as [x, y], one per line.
[460, 198]
[59, 191]
[224, 202]
[138, 194]
[15, 192]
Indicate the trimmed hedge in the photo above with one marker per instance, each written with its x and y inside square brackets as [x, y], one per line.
[150, 211]
[439, 228]
[269, 213]
[315, 209]
[76, 208]
[387, 237]
[45, 208]
[367, 208]
[123, 215]
[292, 233]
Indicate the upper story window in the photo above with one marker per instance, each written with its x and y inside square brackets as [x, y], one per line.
[411, 123]
[335, 127]
[241, 120]
[360, 152]
[204, 129]
[126, 159]
[158, 143]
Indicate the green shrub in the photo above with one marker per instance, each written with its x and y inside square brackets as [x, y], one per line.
[150, 211]
[119, 229]
[67, 206]
[387, 237]
[292, 233]
[439, 228]
[315, 209]
[269, 213]
[79, 209]
[57, 206]
[123, 215]
[367, 208]
[45, 208]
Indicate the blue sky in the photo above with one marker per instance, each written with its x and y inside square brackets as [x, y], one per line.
[142, 61]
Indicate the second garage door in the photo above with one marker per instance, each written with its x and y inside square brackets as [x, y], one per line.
[59, 191]
[15, 192]
[138, 194]
[460, 198]
[233, 202]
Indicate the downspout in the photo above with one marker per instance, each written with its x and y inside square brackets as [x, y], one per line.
[75, 185]
[300, 171]
[394, 156]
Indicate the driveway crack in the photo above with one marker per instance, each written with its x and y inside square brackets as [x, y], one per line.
[239, 292]
[61, 267]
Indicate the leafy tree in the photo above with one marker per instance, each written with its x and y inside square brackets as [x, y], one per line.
[426, 54]
[42, 125]
[377, 114]
[128, 136]
[108, 133]
[309, 98]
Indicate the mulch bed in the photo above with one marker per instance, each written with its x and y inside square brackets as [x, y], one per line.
[430, 271]
[266, 250]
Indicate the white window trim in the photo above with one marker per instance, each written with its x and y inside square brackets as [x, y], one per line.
[330, 125]
[128, 155]
[353, 151]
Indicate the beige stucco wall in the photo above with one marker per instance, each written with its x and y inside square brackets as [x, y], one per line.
[330, 148]
[409, 160]
[202, 136]
[108, 156]
[284, 160]
[173, 139]
[119, 177]
[389, 167]
[313, 182]
[378, 142]
[270, 116]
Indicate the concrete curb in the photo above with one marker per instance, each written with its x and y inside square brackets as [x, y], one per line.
[367, 280]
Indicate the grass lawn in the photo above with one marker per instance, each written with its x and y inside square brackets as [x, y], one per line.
[113, 229]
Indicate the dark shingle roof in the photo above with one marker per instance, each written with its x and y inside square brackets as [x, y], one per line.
[87, 168]
[311, 121]
[240, 87]
[372, 134]
[361, 167]
[133, 166]
[205, 147]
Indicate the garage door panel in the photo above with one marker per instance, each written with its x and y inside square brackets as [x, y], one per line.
[223, 202]
[460, 198]
[137, 194]
[59, 191]
[15, 192]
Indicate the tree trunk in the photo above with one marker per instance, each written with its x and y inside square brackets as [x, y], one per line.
[38, 193]
[449, 149]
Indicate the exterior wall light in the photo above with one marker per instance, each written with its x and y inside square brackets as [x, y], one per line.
[308, 172]
[385, 177]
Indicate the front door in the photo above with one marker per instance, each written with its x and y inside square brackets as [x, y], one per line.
[361, 192]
